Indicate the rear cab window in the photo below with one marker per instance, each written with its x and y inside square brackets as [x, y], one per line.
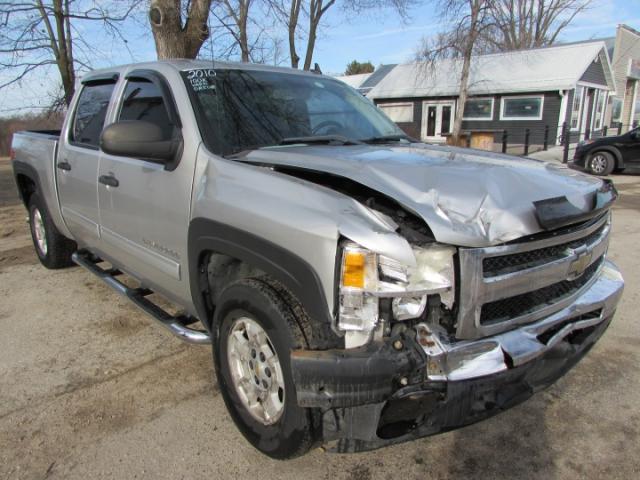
[90, 114]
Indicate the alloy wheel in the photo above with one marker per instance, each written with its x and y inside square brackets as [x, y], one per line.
[40, 232]
[599, 163]
[255, 369]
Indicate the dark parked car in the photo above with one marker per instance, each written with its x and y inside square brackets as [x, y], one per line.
[601, 156]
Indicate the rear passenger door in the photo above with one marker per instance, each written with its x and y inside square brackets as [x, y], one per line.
[144, 219]
[77, 160]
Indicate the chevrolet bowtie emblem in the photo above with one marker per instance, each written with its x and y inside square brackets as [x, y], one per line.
[579, 265]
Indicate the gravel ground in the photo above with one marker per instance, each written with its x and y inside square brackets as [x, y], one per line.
[91, 388]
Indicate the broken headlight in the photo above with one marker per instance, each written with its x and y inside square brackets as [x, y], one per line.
[365, 277]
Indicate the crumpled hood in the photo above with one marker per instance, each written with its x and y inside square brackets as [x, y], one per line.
[467, 197]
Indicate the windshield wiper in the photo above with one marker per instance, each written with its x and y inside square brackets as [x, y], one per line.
[389, 138]
[321, 140]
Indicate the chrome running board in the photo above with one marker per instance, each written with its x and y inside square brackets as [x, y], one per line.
[175, 324]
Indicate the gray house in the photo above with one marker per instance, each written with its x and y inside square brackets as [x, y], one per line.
[537, 89]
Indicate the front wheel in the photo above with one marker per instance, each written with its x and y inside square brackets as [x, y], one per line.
[257, 331]
[601, 163]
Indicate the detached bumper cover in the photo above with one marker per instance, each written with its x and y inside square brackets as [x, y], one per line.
[387, 393]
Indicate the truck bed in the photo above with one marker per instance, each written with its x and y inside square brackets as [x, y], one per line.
[34, 151]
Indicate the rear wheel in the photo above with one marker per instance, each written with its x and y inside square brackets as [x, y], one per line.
[53, 249]
[601, 163]
[257, 330]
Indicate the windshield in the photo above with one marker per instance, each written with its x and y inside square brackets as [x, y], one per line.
[242, 109]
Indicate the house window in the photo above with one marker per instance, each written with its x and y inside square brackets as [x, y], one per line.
[398, 112]
[478, 109]
[576, 107]
[601, 97]
[522, 108]
[616, 110]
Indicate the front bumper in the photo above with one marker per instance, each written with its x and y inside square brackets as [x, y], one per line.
[579, 160]
[408, 387]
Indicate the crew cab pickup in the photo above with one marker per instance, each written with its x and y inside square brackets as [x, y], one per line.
[359, 288]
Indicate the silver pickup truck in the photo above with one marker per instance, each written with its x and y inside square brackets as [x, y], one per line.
[359, 288]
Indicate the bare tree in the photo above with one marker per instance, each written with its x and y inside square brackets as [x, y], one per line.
[179, 28]
[40, 33]
[244, 29]
[295, 13]
[234, 17]
[288, 12]
[522, 24]
[469, 20]
[317, 9]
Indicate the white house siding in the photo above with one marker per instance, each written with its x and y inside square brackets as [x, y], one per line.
[627, 49]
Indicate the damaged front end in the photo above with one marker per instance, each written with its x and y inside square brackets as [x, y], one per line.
[420, 382]
[476, 281]
[458, 335]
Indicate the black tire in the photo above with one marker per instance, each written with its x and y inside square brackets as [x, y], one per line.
[601, 163]
[287, 326]
[57, 248]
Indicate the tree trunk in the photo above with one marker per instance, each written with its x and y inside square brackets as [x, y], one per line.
[172, 39]
[69, 54]
[462, 99]
[315, 14]
[475, 6]
[293, 25]
[311, 44]
[244, 43]
[63, 52]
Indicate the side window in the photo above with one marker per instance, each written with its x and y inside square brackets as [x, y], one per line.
[90, 113]
[143, 101]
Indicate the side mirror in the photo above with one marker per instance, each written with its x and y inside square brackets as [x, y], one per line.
[139, 139]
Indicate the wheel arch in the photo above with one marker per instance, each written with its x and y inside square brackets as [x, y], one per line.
[208, 237]
[27, 180]
[617, 156]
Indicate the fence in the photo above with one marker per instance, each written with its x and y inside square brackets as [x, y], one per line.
[523, 141]
[517, 141]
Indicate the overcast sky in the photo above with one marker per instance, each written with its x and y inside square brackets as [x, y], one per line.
[380, 38]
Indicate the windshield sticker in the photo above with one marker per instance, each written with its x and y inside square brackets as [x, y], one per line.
[202, 79]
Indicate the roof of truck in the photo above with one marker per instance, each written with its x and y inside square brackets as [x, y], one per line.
[182, 64]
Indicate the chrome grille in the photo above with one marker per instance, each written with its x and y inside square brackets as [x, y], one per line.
[508, 285]
[512, 307]
[502, 264]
